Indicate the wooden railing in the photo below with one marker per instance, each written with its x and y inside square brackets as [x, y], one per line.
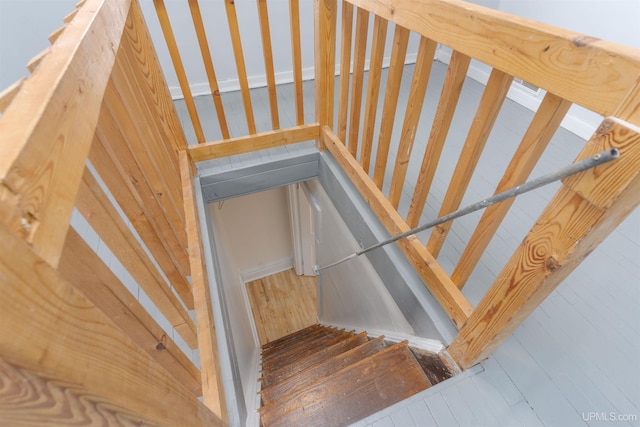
[94, 129]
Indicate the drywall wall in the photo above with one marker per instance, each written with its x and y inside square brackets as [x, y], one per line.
[352, 293]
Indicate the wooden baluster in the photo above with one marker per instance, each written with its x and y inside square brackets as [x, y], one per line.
[172, 45]
[198, 25]
[541, 130]
[451, 90]
[421, 74]
[268, 63]
[294, 14]
[373, 89]
[360, 49]
[486, 115]
[325, 13]
[398, 54]
[7, 95]
[234, 30]
[345, 69]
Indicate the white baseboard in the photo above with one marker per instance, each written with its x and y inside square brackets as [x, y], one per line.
[264, 270]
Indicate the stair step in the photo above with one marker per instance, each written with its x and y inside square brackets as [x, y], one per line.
[309, 376]
[432, 365]
[285, 372]
[287, 339]
[299, 352]
[301, 343]
[352, 393]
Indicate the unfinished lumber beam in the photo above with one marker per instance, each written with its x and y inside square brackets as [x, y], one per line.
[9, 93]
[40, 170]
[421, 74]
[345, 68]
[212, 386]
[538, 135]
[389, 109]
[538, 53]
[492, 99]
[451, 90]
[260, 141]
[359, 53]
[198, 25]
[296, 52]
[325, 13]
[50, 330]
[435, 278]
[584, 211]
[373, 89]
[80, 265]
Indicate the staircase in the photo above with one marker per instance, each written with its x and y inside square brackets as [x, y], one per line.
[322, 376]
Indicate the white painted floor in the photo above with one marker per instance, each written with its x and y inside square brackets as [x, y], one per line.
[576, 360]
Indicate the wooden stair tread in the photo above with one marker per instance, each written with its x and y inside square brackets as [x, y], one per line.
[292, 337]
[303, 342]
[351, 393]
[300, 352]
[308, 377]
[287, 371]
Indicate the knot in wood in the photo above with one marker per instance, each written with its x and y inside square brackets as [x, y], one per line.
[552, 264]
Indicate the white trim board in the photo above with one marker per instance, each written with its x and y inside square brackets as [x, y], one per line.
[264, 270]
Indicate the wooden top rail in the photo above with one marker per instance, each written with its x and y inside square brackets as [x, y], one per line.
[538, 53]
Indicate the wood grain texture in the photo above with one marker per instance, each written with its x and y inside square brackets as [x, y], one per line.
[359, 54]
[236, 42]
[345, 68]
[451, 90]
[42, 166]
[325, 13]
[105, 220]
[35, 61]
[198, 25]
[601, 72]
[421, 74]
[81, 266]
[373, 89]
[538, 135]
[246, 144]
[28, 400]
[9, 93]
[267, 52]
[178, 66]
[571, 226]
[296, 51]
[50, 329]
[396, 66]
[281, 304]
[212, 386]
[492, 99]
[436, 279]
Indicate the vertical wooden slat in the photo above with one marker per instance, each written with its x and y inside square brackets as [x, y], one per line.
[234, 30]
[421, 74]
[41, 167]
[449, 97]
[486, 115]
[263, 14]
[213, 391]
[35, 61]
[373, 89]
[360, 50]
[540, 131]
[294, 14]
[170, 39]
[325, 13]
[50, 329]
[396, 66]
[584, 211]
[79, 264]
[94, 205]
[345, 69]
[198, 25]
[55, 34]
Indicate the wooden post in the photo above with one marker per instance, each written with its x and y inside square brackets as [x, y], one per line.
[325, 12]
[212, 387]
[586, 209]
